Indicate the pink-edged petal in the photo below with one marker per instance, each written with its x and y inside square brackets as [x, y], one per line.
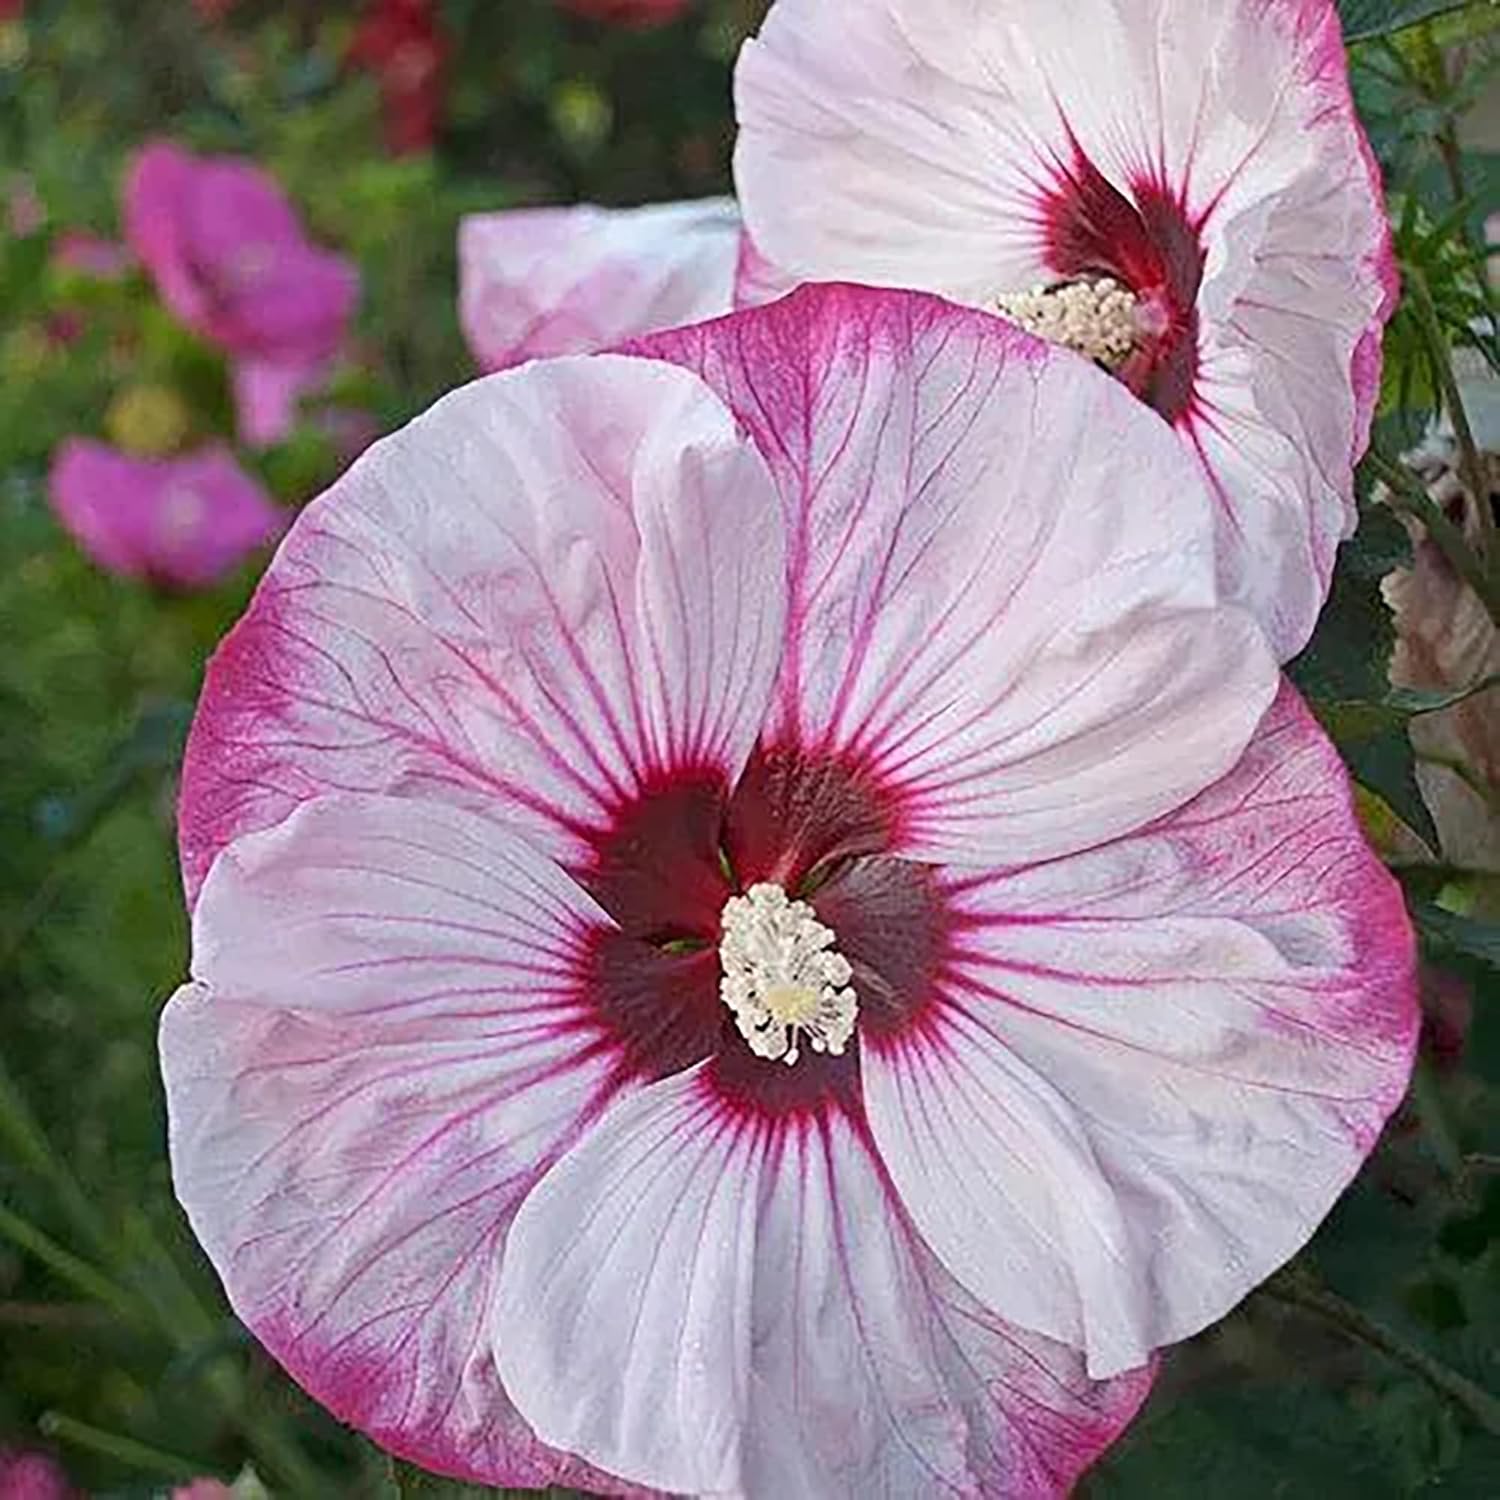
[559, 581]
[183, 523]
[708, 1302]
[1149, 1069]
[978, 150]
[266, 393]
[1001, 573]
[385, 1042]
[536, 282]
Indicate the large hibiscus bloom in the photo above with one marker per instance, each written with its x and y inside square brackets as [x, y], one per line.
[1179, 188]
[758, 930]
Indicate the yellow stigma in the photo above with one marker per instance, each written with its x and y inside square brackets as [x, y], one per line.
[791, 1004]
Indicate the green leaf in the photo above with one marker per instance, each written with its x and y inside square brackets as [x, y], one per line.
[1366, 18]
[1345, 673]
[1456, 933]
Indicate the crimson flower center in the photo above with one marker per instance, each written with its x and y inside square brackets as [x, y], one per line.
[754, 925]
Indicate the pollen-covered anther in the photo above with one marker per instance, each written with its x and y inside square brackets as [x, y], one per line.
[1098, 318]
[783, 978]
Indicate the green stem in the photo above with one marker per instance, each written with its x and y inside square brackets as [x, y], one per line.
[1298, 1290]
[1471, 465]
[68, 1267]
[1409, 495]
[126, 1450]
[28, 1143]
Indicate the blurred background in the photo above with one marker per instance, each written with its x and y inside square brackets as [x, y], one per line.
[1363, 1370]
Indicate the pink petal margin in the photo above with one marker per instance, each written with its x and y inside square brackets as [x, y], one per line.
[1153, 1067]
[557, 583]
[352, 1127]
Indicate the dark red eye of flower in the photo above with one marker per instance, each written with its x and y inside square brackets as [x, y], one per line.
[1149, 246]
[818, 828]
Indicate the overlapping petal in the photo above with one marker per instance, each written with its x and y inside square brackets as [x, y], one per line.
[1000, 573]
[718, 1304]
[976, 149]
[559, 582]
[354, 1123]
[545, 281]
[1151, 1067]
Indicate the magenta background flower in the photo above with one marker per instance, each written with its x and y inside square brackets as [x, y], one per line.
[181, 522]
[888, 605]
[544, 281]
[92, 255]
[1204, 154]
[33, 1476]
[230, 259]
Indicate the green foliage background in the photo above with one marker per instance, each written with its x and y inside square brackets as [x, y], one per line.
[1364, 1369]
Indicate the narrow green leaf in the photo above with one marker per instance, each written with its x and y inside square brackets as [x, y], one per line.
[1457, 933]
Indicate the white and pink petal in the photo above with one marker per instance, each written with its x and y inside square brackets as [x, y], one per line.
[709, 1302]
[386, 1041]
[558, 583]
[1000, 573]
[1148, 1070]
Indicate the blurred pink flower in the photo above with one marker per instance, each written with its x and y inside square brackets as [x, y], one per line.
[92, 255]
[553, 1129]
[628, 12]
[33, 1476]
[1178, 188]
[535, 282]
[178, 522]
[230, 258]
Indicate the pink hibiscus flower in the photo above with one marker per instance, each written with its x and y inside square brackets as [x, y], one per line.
[756, 928]
[535, 282]
[230, 259]
[179, 522]
[1188, 198]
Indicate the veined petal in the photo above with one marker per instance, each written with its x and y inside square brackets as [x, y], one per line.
[1206, 153]
[536, 282]
[710, 1303]
[1151, 1068]
[1000, 573]
[384, 1044]
[557, 582]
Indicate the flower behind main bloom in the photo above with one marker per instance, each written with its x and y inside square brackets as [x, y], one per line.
[1191, 171]
[538, 282]
[757, 927]
[231, 260]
